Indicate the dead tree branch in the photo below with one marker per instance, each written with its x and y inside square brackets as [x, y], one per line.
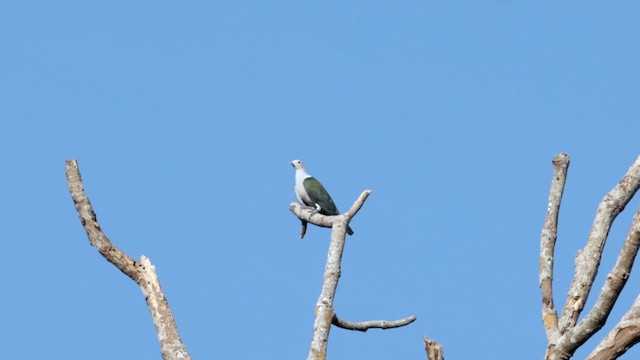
[325, 313]
[627, 332]
[310, 214]
[548, 243]
[588, 259]
[324, 306]
[566, 334]
[371, 324]
[433, 349]
[143, 272]
[621, 338]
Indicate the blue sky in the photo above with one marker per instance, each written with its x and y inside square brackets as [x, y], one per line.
[184, 118]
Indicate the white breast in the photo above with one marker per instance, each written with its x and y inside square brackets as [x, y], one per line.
[301, 193]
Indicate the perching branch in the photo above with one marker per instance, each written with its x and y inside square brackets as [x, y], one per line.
[434, 350]
[372, 324]
[143, 272]
[566, 334]
[310, 214]
[325, 314]
[324, 306]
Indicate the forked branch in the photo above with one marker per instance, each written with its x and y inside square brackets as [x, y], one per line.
[325, 313]
[588, 258]
[565, 334]
[627, 332]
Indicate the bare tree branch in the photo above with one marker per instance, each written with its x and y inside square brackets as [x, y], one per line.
[325, 313]
[622, 337]
[618, 341]
[324, 306]
[565, 335]
[627, 332]
[311, 214]
[143, 272]
[434, 350]
[371, 324]
[547, 245]
[615, 281]
[588, 258]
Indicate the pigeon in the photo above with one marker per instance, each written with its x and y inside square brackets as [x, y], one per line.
[310, 192]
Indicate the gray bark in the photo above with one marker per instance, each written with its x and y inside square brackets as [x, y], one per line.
[325, 314]
[142, 272]
[565, 334]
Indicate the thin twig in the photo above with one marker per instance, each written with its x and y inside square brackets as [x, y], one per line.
[371, 324]
[143, 272]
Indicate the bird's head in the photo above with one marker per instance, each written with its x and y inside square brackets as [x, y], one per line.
[297, 164]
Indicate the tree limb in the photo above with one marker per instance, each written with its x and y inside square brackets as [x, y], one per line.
[325, 313]
[547, 245]
[615, 281]
[372, 324]
[622, 337]
[143, 272]
[324, 306]
[434, 350]
[311, 214]
[627, 332]
[588, 258]
[565, 334]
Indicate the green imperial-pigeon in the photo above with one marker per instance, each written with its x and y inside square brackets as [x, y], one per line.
[310, 192]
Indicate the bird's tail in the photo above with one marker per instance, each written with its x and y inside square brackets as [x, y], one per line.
[349, 230]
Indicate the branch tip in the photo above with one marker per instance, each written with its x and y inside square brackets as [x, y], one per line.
[433, 349]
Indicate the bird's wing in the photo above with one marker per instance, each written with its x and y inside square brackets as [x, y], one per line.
[319, 195]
